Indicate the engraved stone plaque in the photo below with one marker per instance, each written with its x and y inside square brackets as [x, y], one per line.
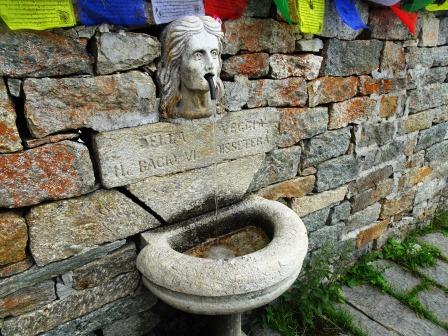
[132, 154]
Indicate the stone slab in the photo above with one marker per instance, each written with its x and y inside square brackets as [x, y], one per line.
[427, 97]
[9, 135]
[398, 278]
[82, 223]
[355, 110]
[316, 219]
[364, 217]
[335, 172]
[13, 238]
[304, 65]
[254, 65]
[104, 316]
[389, 312]
[277, 92]
[73, 306]
[436, 301]
[134, 325]
[195, 190]
[331, 89]
[49, 172]
[108, 103]
[36, 275]
[308, 204]
[323, 235]
[18, 267]
[297, 187]
[437, 239]
[129, 155]
[438, 273]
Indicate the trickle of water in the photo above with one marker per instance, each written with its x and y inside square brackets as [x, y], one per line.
[215, 163]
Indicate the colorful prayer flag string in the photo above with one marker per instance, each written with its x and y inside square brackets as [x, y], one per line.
[349, 14]
[311, 16]
[408, 19]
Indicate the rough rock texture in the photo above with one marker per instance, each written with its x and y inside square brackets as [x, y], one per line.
[438, 273]
[13, 238]
[385, 25]
[432, 136]
[49, 172]
[331, 89]
[335, 172]
[32, 143]
[429, 35]
[124, 51]
[427, 97]
[236, 93]
[289, 189]
[372, 232]
[398, 278]
[41, 54]
[102, 103]
[427, 57]
[345, 58]
[364, 217]
[316, 220]
[398, 205]
[438, 239]
[283, 66]
[313, 45]
[258, 35]
[134, 325]
[393, 62]
[389, 312]
[251, 65]
[282, 92]
[340, 213]
[9, 136]
[436, 301]
[328, 233]
[83, 222]
[301, 123]
[308, 204]
[77, 304]
[354, 110]
[15, 268]
[196, 189]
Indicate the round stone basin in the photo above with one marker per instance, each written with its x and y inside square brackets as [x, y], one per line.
[261, 246]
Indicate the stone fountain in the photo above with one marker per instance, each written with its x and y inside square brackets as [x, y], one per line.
[238, 258]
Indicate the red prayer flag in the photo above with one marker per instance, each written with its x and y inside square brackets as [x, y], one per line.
[229, 9]
[409, 19]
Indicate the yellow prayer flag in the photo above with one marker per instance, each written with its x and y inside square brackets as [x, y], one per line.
[311, 16]
[435, 7]
[38, 15]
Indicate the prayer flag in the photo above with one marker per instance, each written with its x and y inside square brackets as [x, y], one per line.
[38, 15]
[408, 19]
[349, 14]
[229, 9]
[283, 8]
[169, 10]
[415, 5]
[117, 12]
[387, 3]
[436, 7]
[311, 16]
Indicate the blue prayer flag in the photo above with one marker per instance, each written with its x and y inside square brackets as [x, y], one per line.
[117, 12]
[349, 14]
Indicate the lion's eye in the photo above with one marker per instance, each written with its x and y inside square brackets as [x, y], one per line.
[214, 53]
[197, 55]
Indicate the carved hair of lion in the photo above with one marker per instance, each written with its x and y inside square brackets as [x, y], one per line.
[174, 39]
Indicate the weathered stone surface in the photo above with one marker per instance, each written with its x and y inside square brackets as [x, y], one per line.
[308, 204]
[9, 136]
[398, 205]
[426, 57]
[440, 114]
[36, 275]
[236, 93]
[385, 25]
[14, 86]
[345, 58]
[251, 65]
[371, 180]
[27, 299]
[372, 327]
[298, 187]
[18, 267]
[413, 176]
[340, 213]
[326, 146]
[316, 219]
[436, 301]
[354, 110]
[398, 278]
[437, 152]
[318, 238]
[428, 190]
[364, 199]
[419, 77]
[129, 155]
[429, 34]
[438, 273]
[13, 238]
[108, 103]
[104, 316]
[364, 217]
[369, 85]
[196, 189]
[124, 51]
[372, 232]
[301, 123]
[305, 65]
[278, 165]
[278, 93]
[335, 172]
[335, 27]
[313, 45]
[418, 121]
[431, 136]
[73, 306]
[443, 31]
[389, 312]
[41, 54]
[104, 269]
[45, 173]
[427, 97]
[134, 325]
[258, 35]
[375, 134]
[438, 239]
[82, 223]
[393, 61]
[33, 143]
[331, 89]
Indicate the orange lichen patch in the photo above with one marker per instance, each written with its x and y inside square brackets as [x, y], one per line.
[289, 92]
[369, 85]
[371, 233]
[420, 175]
[13, 238]
[397, 206]
[354, 110]
[7, 134]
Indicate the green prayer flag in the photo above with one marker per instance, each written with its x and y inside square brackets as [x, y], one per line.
[282, 6]
[415, 5]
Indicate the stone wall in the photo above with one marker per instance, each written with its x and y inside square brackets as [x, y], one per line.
[349, 129]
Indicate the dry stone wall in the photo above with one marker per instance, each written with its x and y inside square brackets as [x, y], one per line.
[348, 128]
